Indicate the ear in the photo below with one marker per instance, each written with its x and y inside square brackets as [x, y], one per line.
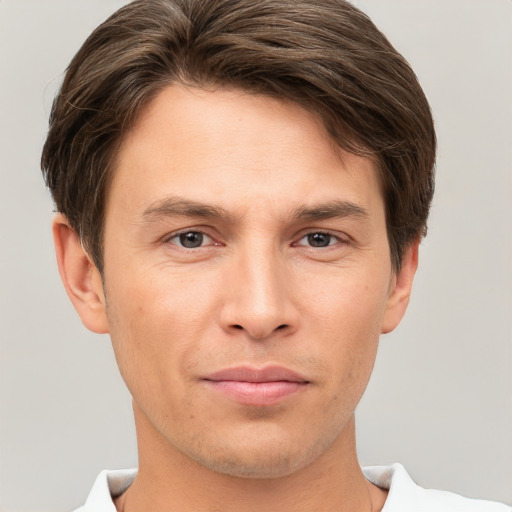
[400, 289]
[80, 276]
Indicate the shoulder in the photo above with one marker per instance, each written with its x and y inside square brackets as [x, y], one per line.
[405, 495]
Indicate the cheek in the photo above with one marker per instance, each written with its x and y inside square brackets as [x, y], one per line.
[345, 318]
[155, 326]
[350, 305]
[159, 302]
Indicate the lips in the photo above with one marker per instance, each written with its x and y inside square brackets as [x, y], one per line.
[248, 374]
[256, 386]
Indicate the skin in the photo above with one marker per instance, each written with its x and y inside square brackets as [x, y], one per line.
[254, 177]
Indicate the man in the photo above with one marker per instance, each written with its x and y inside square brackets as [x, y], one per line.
[242, 188]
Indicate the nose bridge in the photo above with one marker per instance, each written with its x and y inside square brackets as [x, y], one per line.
[260, 268]
[259, 301]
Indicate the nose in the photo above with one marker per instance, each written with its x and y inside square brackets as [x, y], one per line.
[259, 296]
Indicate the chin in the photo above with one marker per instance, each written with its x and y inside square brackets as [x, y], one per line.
[262, 466]
[269, 459]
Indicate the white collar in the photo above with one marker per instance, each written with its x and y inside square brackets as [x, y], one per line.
[404, 494]
[108, 485]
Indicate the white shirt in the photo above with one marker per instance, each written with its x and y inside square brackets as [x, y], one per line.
[404, 495]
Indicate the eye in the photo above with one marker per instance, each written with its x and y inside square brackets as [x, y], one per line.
[190, 239]
[319, 239]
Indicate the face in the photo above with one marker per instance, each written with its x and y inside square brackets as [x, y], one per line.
[247, 279]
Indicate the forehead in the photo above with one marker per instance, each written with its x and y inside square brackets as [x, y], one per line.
[227, 145]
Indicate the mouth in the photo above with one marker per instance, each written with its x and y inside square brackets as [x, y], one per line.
[256, 386]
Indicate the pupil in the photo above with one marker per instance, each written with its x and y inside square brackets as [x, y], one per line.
[191, 240]
[319, 239]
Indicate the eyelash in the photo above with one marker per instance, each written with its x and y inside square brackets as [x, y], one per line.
[338, 239]
[176, 236]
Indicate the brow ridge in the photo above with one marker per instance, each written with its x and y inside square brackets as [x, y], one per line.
[330, 210]
[176, 206]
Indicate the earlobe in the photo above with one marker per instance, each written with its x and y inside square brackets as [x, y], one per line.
[80, 277]
[401, 289]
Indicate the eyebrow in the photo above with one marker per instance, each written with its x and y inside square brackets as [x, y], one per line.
[334, 209]
[175, 206]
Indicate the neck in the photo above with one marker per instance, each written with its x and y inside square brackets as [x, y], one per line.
[168, 480]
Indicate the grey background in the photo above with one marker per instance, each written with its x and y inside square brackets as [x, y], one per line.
[440, 400]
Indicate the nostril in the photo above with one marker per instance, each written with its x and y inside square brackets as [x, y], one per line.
[279, 327]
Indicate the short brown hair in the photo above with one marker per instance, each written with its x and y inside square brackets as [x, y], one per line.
[325, 55]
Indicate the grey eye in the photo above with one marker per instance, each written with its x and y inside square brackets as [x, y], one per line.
[319, 239]
[191, 240]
